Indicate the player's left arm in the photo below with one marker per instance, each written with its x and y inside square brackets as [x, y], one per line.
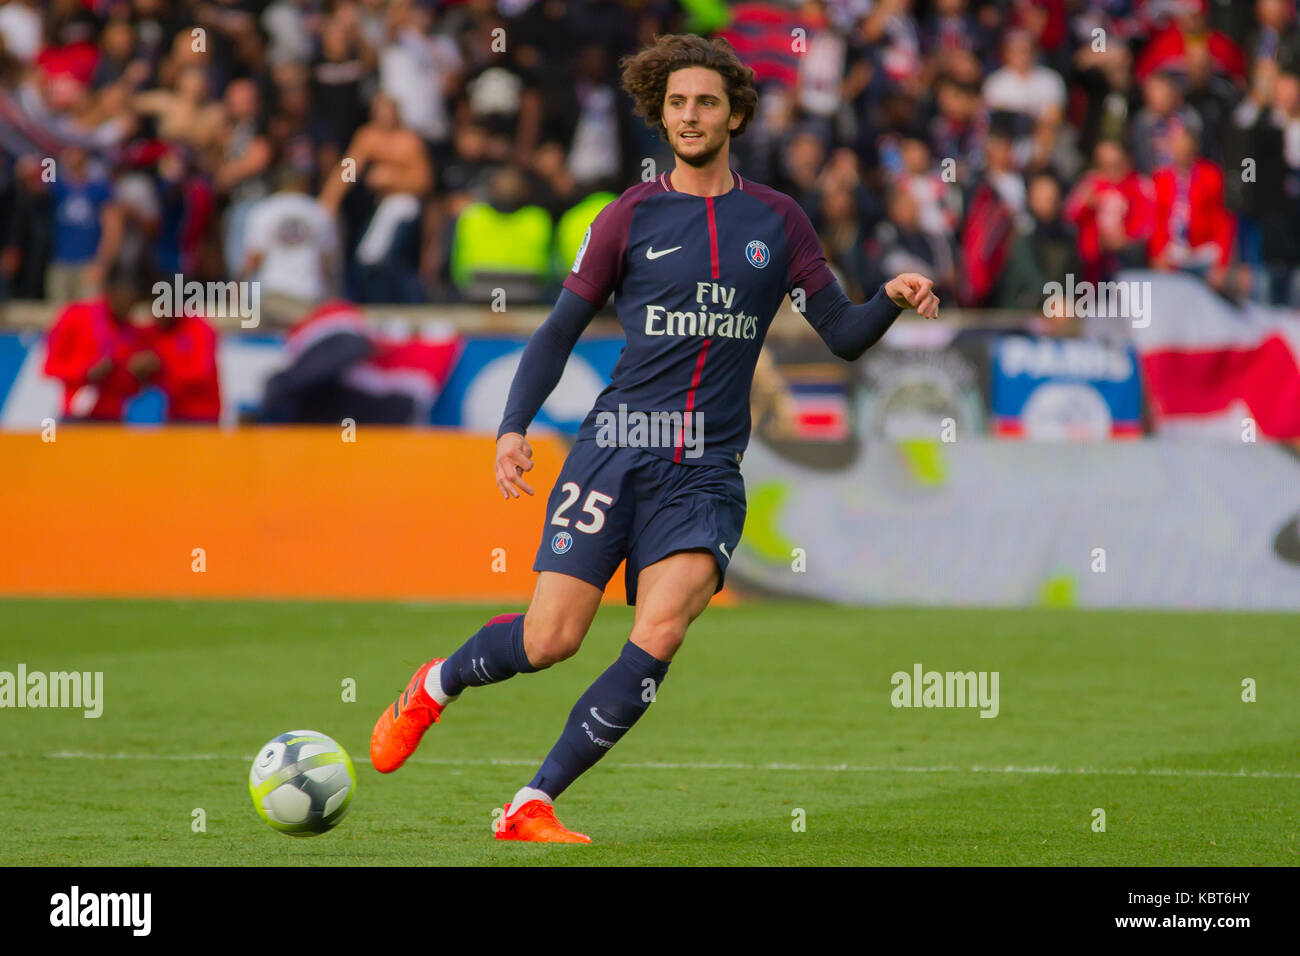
[849, 330]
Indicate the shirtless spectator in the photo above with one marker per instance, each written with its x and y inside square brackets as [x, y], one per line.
[185, 114]
[392, 163]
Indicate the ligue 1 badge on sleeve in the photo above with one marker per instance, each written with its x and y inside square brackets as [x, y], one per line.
[577, 259]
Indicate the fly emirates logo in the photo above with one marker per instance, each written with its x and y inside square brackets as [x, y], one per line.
[704, 321]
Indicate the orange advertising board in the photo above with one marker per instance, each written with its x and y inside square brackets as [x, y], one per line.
[292, 512]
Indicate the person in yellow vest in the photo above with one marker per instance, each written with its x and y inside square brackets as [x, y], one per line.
[572, 227]
[503, 243]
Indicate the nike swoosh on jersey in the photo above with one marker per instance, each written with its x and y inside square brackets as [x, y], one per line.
[651, 254]
[722, 546]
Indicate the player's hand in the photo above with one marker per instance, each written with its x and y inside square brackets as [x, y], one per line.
[911, 289]
[514, 457]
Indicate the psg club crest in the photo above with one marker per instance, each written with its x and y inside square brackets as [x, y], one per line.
[757, 254]
[562, 542]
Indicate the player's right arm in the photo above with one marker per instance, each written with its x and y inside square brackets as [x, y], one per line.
[597, 271]
[539, 372]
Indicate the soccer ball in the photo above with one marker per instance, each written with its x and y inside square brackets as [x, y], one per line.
[302, 783]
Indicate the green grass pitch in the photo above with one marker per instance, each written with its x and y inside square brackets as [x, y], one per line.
[769, 710]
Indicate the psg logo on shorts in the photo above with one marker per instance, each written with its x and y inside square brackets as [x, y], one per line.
[562, 542]
[757, 254]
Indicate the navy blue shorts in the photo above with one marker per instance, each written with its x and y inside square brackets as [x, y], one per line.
[616, 503]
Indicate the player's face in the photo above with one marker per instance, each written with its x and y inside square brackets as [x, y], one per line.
[697, 114]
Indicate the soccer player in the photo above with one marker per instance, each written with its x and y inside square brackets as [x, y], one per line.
[698, 260]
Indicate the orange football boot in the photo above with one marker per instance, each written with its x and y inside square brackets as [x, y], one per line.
[400, 727]
[535, 822]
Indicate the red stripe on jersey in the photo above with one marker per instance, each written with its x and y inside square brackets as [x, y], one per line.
[713, 237]
[695, 379]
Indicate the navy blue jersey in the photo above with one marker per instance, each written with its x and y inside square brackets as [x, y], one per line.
[696, 282]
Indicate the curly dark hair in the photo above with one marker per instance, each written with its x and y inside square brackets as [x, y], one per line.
[645, 76]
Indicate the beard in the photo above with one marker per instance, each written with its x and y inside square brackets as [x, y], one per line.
[701, 159]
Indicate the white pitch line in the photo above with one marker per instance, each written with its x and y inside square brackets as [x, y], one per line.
[747, 767]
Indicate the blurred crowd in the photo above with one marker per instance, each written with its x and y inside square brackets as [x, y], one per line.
[426, 151]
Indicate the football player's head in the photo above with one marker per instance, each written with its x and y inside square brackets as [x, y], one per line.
[696, 92]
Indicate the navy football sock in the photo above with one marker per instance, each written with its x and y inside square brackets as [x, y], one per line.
[491, 655]
[601, 717]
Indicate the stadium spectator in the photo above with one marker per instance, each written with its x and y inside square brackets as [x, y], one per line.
[1193, 229]
[1022, 86]
[1262, 196]
[899, 239]
[292, 249]
[1187, 29]
[85, 226]
[1104, 78]
[117, 54]
[800, 169]
[1113, 209]
[338, 79]
[957, 130]
[392, 164]
[597, 140]
[1045, 249]
[552, 185]
[939, 203]
[185, 115]
[953, 29]
[503, 243]
[1212, 97]
[28, 236]
[242, 176]
[892, 38]
[1276, 37]
[135, 215]
[1163, 108]
[21, 29]
[416, 68]
[821, 68]
[293, 139]
[990, 220]
[287, 26]
[186, 351]
[96, 352]
[500, 95]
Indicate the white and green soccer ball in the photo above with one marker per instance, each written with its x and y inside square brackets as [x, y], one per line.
[302, 783]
